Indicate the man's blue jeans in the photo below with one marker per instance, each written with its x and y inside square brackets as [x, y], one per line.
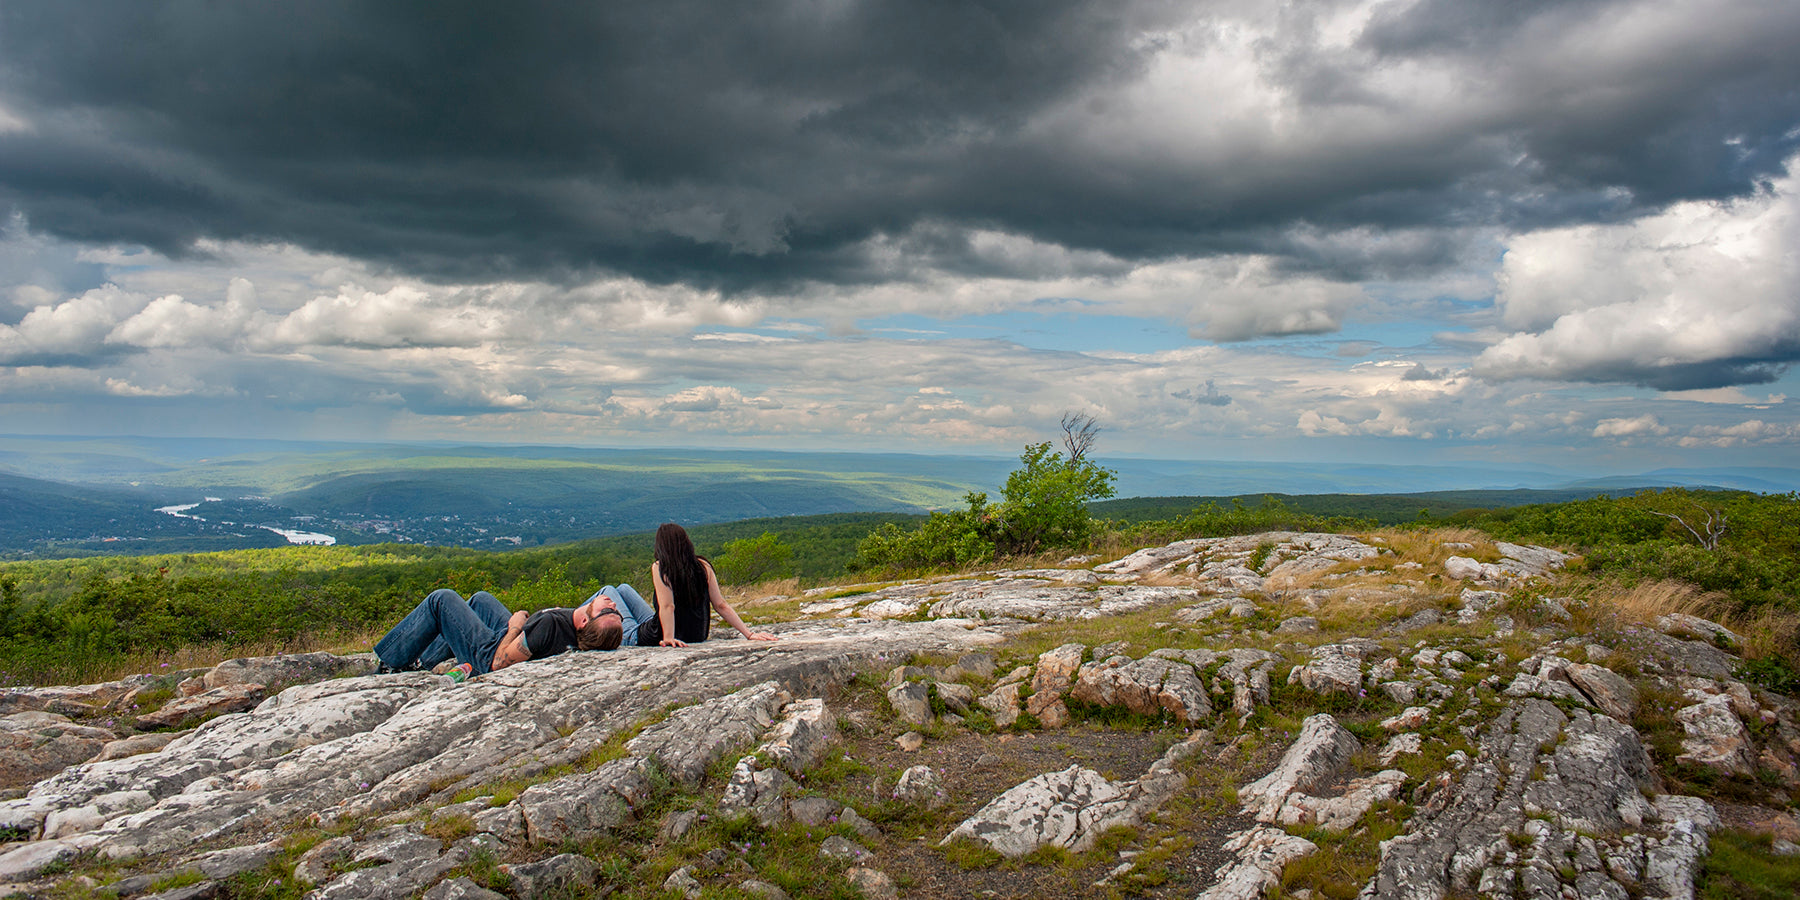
[442, 625]
[633, 611]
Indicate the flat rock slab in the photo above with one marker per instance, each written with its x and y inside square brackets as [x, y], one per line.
[1049, 595]
[1043, 601]
[692, 738]
[357, 746]
[34, 745]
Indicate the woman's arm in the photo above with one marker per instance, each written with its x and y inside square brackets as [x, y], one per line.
[730, 615]
[665, 607]
[512, 647]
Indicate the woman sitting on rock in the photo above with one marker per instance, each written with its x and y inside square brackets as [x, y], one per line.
[687, 592]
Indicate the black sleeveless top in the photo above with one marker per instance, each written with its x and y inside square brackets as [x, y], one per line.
[693, 615]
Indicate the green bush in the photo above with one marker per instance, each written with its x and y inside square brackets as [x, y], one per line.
[753, 560]
[944, 540]
[1044, 505]
[1213, 520]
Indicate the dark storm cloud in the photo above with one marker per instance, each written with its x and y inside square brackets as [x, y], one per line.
[762, 144]
[1685, 376]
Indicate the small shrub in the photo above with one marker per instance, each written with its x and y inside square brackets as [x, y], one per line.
[450, 828]
[966, 854]
[1772, 672]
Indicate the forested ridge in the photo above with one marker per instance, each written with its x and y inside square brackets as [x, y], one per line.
[66, 620]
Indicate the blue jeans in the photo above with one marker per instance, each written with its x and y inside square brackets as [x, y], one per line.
[441, 625]
[633, 611]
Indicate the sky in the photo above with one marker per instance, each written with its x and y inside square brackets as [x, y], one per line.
[1407, 231]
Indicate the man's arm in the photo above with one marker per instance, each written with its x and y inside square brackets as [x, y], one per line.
[512, 647]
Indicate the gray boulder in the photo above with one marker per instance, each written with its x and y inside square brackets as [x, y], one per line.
[1715, 738]
[1334, 669]
[276, 672]
[1612, 694]
[1003, 703]
[800, 739]
[759, 792]
[581, 806]
[34, 745]
[1148, 687]
[1316, 758]
[920, 785]
[562, 875]
[911, 702]
[692, 738]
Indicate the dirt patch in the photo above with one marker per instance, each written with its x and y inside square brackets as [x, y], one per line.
[1779, 823]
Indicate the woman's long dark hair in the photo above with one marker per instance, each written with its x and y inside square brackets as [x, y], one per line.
[678, 564]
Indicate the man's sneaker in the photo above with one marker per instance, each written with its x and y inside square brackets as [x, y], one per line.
[461, 673]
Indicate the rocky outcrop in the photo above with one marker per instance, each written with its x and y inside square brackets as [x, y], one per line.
[1073, 807]
[34, 745]
[1557, 796]
[1317, 757]
[1334, 669]
[1222, 565]
[1050, 683]
[1260, 855]
[1148, 687]
[1516, 562]
[1585, 774]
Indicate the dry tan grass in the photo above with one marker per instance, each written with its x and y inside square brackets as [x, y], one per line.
[1765, 632]
[1769, 632]
[1427, 548]
[1647, 601]
[763, 591]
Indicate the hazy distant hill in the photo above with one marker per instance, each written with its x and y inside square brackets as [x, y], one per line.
[75, 495]
[41, 516]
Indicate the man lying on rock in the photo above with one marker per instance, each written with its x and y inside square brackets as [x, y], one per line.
[485, 637]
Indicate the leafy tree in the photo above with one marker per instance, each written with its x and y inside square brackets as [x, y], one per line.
[1045, 502]
[1043, 505]
[750, 560]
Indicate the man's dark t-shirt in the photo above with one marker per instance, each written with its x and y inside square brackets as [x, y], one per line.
[549, 632]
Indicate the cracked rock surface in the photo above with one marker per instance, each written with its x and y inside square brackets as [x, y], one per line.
[1555, 796]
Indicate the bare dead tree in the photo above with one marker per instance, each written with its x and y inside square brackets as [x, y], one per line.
[1079, 433]
[1714, 526]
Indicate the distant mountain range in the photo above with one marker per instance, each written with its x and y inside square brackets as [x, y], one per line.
[74, 495]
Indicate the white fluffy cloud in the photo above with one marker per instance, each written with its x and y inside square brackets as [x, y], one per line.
[1636, 426]
[1703, 295]
[76, 327]
[402, 316]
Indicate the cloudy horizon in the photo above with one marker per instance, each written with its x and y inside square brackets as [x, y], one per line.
[1412, 231]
